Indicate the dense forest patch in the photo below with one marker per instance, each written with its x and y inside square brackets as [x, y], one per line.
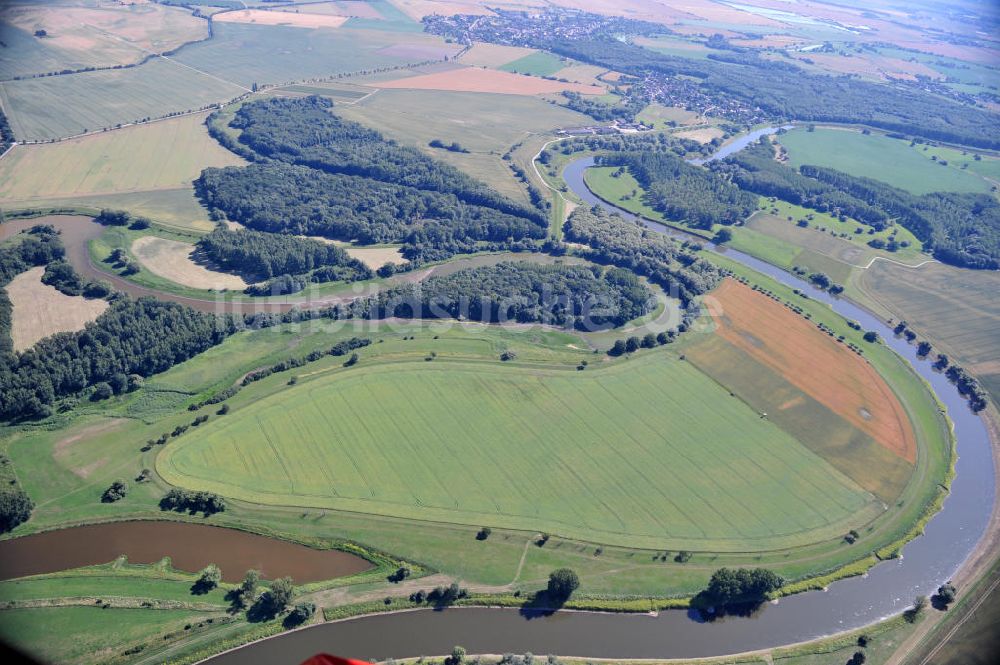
[618, 242]
[572, 296]
[262, 256]
[277, 197]
[683, 192]
[354, 184]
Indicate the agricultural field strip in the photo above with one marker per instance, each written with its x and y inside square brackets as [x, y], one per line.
[177, 62]
[373, 459]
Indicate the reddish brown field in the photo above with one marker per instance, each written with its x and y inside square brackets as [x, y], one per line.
[472, 79]
[815, 363]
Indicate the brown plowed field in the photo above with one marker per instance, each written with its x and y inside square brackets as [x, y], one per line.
[812, 361]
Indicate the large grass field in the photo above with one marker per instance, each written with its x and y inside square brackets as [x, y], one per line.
[877, 156]
[156, 157]
[88, 634]
[59, 106]
[629, 454]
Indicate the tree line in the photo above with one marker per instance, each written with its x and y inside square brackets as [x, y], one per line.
[6, 133]
[37, 246]
[132, 337]
[962, 229]
[683, 192]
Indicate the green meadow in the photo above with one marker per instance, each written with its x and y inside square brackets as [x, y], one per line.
[877, 156]
[536, 64]
[631, 453]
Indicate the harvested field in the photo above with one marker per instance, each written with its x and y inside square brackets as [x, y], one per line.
[38, 108]
[871, 66]
[161, 155]
[963, 327]
[348, 8]
[471, 79]
[586, 74]
[493, 55]
[376, 257]
[172, 260]
[337, 440]
[101, 34]
[417, 9]
[373, 257]
[703, 135]
[815, 363]
[292, 19]
[40, 310]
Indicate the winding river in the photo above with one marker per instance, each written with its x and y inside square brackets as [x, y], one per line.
[887, 589]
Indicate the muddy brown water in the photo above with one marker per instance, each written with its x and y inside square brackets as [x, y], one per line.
[190, 547]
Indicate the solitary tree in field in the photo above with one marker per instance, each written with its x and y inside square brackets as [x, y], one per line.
[562, 583]
[248, 587]
[208, 579]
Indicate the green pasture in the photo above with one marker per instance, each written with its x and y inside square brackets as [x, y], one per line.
[58, 106]
[111, 581]
[661, 117]
[893, 161]
[540, 63]
[89, 634]
[539, 449]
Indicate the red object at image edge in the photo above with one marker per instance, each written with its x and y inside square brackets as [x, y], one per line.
[327, 659]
